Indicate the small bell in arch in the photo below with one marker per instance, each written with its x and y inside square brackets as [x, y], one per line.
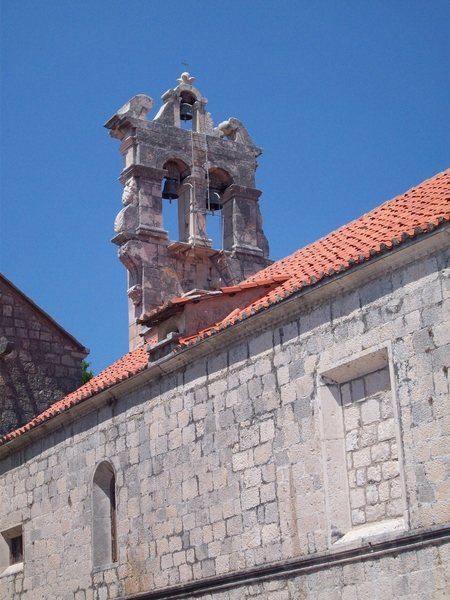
[170, 189]
[185, 111]
[213, 201]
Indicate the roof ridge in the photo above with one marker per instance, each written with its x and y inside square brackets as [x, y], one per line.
[348, 225]
[45, 315]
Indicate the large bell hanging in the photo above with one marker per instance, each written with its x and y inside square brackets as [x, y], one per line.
[213, 202]
[185, 111]
[170, 189]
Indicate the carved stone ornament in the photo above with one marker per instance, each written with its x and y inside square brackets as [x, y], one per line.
[130, 192]
[234, 130]
[127, 220]
[186, 78]
[135, 294]
[6, 348]
[137, 107]
[129, 256]
[209, 124]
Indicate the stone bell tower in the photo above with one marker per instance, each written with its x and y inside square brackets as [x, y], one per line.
[205, 169]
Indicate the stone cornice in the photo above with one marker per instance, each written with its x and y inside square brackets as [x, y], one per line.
[364, 550]
[239, 191]
[142, 171]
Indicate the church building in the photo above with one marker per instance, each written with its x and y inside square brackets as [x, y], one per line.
[277, 431]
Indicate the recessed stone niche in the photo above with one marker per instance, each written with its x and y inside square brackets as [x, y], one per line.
[361, 444]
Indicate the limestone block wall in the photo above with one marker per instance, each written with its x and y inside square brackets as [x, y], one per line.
[225, 465]
[44, 365]
[371, 448]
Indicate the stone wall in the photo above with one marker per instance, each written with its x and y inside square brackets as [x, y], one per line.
[371, 448]
[44, 365]
[222, 467]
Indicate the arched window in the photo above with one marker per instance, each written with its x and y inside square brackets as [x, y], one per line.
[104, 530]
[176, 215]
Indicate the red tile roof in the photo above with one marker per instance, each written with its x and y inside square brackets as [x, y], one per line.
[417, 212]
[160, 312]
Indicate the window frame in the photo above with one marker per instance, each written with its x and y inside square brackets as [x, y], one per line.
[11, 550]
[104, 516]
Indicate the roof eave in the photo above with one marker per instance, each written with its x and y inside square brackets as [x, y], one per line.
[259, 321]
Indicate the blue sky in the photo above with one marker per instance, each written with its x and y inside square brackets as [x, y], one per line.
[349, 100]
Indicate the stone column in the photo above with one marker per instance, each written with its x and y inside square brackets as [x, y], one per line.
[197, 234]
[150, 217]
[139, 233]
[240, 220]
[184, 209]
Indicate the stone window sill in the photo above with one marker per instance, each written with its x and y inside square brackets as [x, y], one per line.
[366, 532]
[101, 568]
[12, 570]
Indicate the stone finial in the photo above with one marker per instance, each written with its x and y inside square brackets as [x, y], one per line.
[234, 130]
[186, 78]
[137, 107]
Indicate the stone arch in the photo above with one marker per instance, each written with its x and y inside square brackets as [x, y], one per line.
[218, 181]
[162, 157]
[189, 97]
[193, 91]
[223, 177]
[104, 527]
[176, 167]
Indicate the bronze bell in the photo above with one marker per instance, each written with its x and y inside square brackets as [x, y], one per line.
[213, 202]
[170, 189]
[185, 111]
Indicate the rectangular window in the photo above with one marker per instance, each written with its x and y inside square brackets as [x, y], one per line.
[16, 551]
[11, 548]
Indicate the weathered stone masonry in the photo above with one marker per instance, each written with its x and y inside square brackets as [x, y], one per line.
[41, 362]
[202, 163]
[221, 465]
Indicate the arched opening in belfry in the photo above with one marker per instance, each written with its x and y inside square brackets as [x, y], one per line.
[187, 112]
[217, 181]
[178, 194]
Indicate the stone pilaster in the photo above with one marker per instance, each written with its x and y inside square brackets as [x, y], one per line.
[240, 212]
[196, 216]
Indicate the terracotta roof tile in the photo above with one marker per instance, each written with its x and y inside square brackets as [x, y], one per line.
[183, 300]
[418, 211]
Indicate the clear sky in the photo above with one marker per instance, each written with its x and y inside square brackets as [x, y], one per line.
[349, 99]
